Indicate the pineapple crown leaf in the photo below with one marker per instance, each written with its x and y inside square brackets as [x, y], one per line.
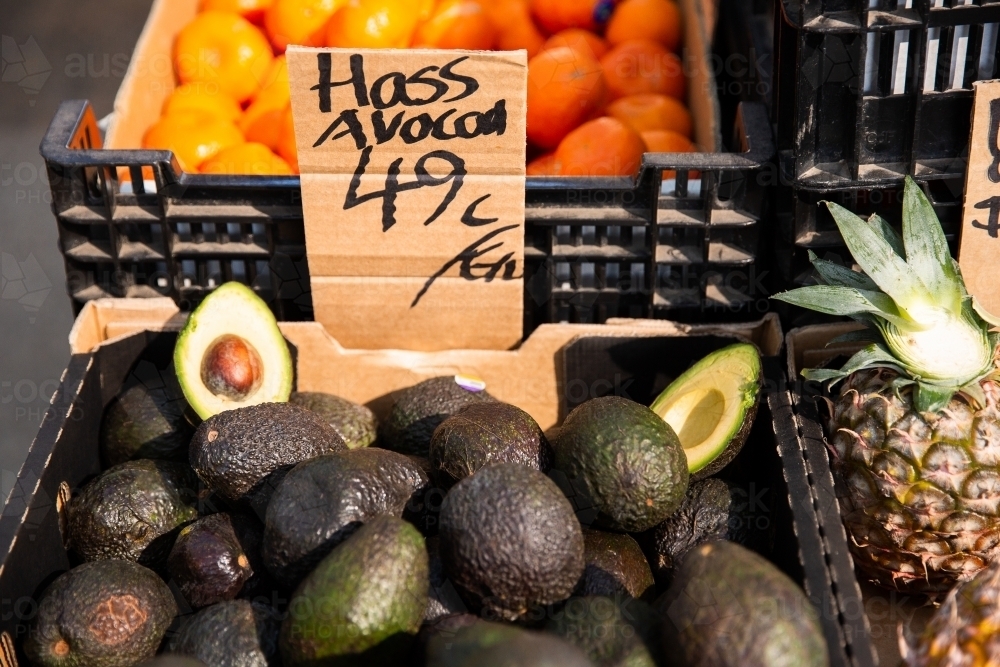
[844, 301]
[890, 235]
[841, 276]
[870, 356]
[927, 249]
[931, 398]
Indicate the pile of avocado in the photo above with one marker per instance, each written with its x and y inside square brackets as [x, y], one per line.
[240, 524]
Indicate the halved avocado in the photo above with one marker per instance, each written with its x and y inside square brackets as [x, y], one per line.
[712, 405]
[231, 353]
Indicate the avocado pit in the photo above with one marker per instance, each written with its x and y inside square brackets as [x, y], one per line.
[232, 368]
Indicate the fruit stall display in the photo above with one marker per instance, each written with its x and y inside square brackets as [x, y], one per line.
[209, 511]
[606, 82]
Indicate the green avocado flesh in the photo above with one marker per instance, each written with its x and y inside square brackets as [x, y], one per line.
[231, 353]
[712, 405]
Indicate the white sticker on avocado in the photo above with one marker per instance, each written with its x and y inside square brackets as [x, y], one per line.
[470, 383]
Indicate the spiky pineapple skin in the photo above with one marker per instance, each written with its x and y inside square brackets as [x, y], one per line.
[920, 493]
[965, 630]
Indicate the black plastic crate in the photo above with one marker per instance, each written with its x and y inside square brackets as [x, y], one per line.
[869, 91]
[594, 248]
[65, 455]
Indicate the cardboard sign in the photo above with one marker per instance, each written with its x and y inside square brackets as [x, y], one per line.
[979, 252]
[412, 166]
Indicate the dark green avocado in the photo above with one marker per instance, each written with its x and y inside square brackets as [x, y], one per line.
[615, 567]
[234, 633]
[419, 410]
[727, 606]
[485, 644]
[443, 599]
[149, 418]
[132, 510]
[207, 562]
[712, 510]
[364, 602]
[483, 433]
[613, 632]
[510, 541]
[234, 451]
[323, 500]
[626, 458]
[355, 423]
[109, 613]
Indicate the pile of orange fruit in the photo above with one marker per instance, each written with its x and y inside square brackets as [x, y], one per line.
[605, 83]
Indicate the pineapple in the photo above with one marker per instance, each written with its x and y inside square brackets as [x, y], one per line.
[965, 631]
[915, 430]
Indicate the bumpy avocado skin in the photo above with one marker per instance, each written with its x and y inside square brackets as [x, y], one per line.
[207, 561]
[420, 409]
[355, 423]
[234, 633]
[234, 451]
[148, 419]
[485, 433]
[130, 511]
[759, 618]
[713, 509]
[323, 500]
[613, 632]
[485, 644]
[628, 460]
[615, 567]
[108, 613]
[510, 541]
[364, 602]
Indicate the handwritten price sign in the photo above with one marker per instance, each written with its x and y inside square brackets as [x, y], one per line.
[979, 252]
[412, 169]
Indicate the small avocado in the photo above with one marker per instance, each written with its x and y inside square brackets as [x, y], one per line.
[132, 510]
[419, 410]
[615, 567]
[149, 417]
[485, 644]
[364, 602]
[626, 458]
[234, 451]
[443, 599]
[483, 433]
[235, 633]
[173, 660]
[207, 561]
[613, 632]
[728, 606]
[111, 613]
[510, 541]
[710, 511]
[231, 353]
[322, 501]
[355, 423]
[712, 406]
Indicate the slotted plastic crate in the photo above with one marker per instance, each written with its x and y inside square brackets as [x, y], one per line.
[594, 248]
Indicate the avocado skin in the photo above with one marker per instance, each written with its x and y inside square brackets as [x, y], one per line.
[443, 599]
[173, 660]
[323, 500]
[130, 511]
[483, 433]
[234, 451]
[510, 541]
[485, 644]
[355, 423]
[363, 603]
[732, 449]
[615, 567]
[111, 613]
[628, 460]
[205, 561]
[711, 511]
[760, 617]
[612, 632]
[420, 409]
[148, 419]
[235, 633]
